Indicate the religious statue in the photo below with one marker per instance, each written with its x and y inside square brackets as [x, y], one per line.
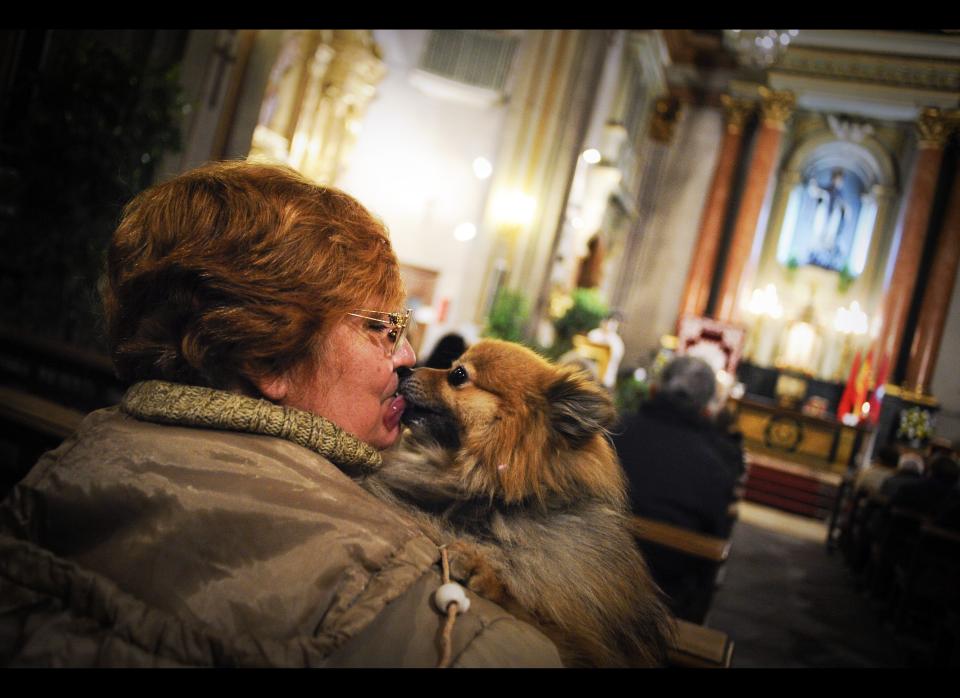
[606, 336]
[829, 219]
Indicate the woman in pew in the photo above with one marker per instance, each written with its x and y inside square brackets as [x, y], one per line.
[209, 519]
[678, 473]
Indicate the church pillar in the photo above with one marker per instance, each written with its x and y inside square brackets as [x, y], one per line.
[696, 293]
[557, 78]
[776, 110]
[936, 298]
[899, 295]
[318, 89]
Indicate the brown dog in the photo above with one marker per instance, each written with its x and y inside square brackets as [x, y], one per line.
[507, 459]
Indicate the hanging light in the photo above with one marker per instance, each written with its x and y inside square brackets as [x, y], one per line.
[592, 155]
[482, 167]
[760, 48]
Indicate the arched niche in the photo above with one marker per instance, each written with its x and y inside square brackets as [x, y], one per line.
[826, 239]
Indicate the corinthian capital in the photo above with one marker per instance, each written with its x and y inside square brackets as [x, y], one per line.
[665, 116]
[933, 128]
[736, 111]
[776, 107]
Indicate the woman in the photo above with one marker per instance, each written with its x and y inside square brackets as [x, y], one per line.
[210, 519]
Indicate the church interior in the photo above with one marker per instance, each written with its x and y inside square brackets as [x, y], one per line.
[783, 204]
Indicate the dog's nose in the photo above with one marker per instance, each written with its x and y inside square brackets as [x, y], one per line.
[404, 372]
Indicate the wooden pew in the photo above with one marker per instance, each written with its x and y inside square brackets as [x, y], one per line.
[699, 647]
[689, 542]
[38, 414]
[29, 426]
[696, 646]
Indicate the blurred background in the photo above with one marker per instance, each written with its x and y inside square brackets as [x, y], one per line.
[781, 203]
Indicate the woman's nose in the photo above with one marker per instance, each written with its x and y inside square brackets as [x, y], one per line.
[404, 355]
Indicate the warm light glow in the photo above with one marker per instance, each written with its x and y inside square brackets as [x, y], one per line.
[482, 168]
[801, 341]
[465, 231]
[592, 156]
[425, 315]
[851, 320]
[765, 302]
[577, 222]
[513, 207]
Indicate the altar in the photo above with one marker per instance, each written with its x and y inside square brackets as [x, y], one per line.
[785, 433]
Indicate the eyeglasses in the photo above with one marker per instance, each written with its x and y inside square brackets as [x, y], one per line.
[397, 323]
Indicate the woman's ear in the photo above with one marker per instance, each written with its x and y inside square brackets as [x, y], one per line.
[274, 388]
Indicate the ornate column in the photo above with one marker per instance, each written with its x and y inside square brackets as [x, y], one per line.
[776, 109]
[936, 298]
[344, 76]
[319, 88]
[556, 79]
[932, 130]
[696, 292]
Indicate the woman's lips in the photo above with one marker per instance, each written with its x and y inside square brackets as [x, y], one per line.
[394, 412]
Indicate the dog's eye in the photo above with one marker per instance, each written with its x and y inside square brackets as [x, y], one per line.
[458, 376]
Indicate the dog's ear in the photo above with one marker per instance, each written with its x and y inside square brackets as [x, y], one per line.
[579, 407]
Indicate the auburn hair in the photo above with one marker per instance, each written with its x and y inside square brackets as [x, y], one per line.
[236, 271]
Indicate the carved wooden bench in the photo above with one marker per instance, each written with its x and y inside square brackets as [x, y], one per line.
[38, 414]
[29, 425]
[699, 647]
[696, 645]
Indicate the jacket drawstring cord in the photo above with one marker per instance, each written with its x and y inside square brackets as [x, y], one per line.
[450, 599]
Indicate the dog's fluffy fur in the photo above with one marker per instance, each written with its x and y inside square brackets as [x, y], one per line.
[507, 461]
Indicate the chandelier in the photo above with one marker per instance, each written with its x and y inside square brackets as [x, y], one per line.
[759, 47]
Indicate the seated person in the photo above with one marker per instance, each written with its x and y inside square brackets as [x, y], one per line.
[924, 495]
[870, 479]
[677, 473]
[448, 349]
[909, 470]
[947, 514]
[211, 519]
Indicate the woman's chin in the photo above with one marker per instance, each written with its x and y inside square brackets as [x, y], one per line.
[386, 437]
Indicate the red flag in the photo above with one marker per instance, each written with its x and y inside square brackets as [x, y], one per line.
[863, 383]
[846, 401]
[882, 371]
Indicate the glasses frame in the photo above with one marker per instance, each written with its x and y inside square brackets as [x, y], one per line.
[399, 320]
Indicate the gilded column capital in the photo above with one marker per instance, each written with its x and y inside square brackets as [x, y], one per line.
[736, 111]
[776, 107]
[666, 113]
[933, 128]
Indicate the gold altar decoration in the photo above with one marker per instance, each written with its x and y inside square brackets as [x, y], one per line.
[318, 90]
[776, 106]
[736, 112]
[666, 114]
[932, 128]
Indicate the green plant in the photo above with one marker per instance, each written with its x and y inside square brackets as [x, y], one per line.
[508, 316]
[585, 313]
[630, 393]
[844, 280]
[915, 423]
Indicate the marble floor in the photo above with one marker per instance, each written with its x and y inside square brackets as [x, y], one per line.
[788, 603]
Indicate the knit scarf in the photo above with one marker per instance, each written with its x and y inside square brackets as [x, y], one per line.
[195, 406]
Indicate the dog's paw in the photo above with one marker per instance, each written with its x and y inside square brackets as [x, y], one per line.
[470, 566]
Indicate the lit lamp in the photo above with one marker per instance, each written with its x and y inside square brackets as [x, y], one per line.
[849, 323]
[764, 306]
[512, 210]
[800, 344]
[800, 347]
